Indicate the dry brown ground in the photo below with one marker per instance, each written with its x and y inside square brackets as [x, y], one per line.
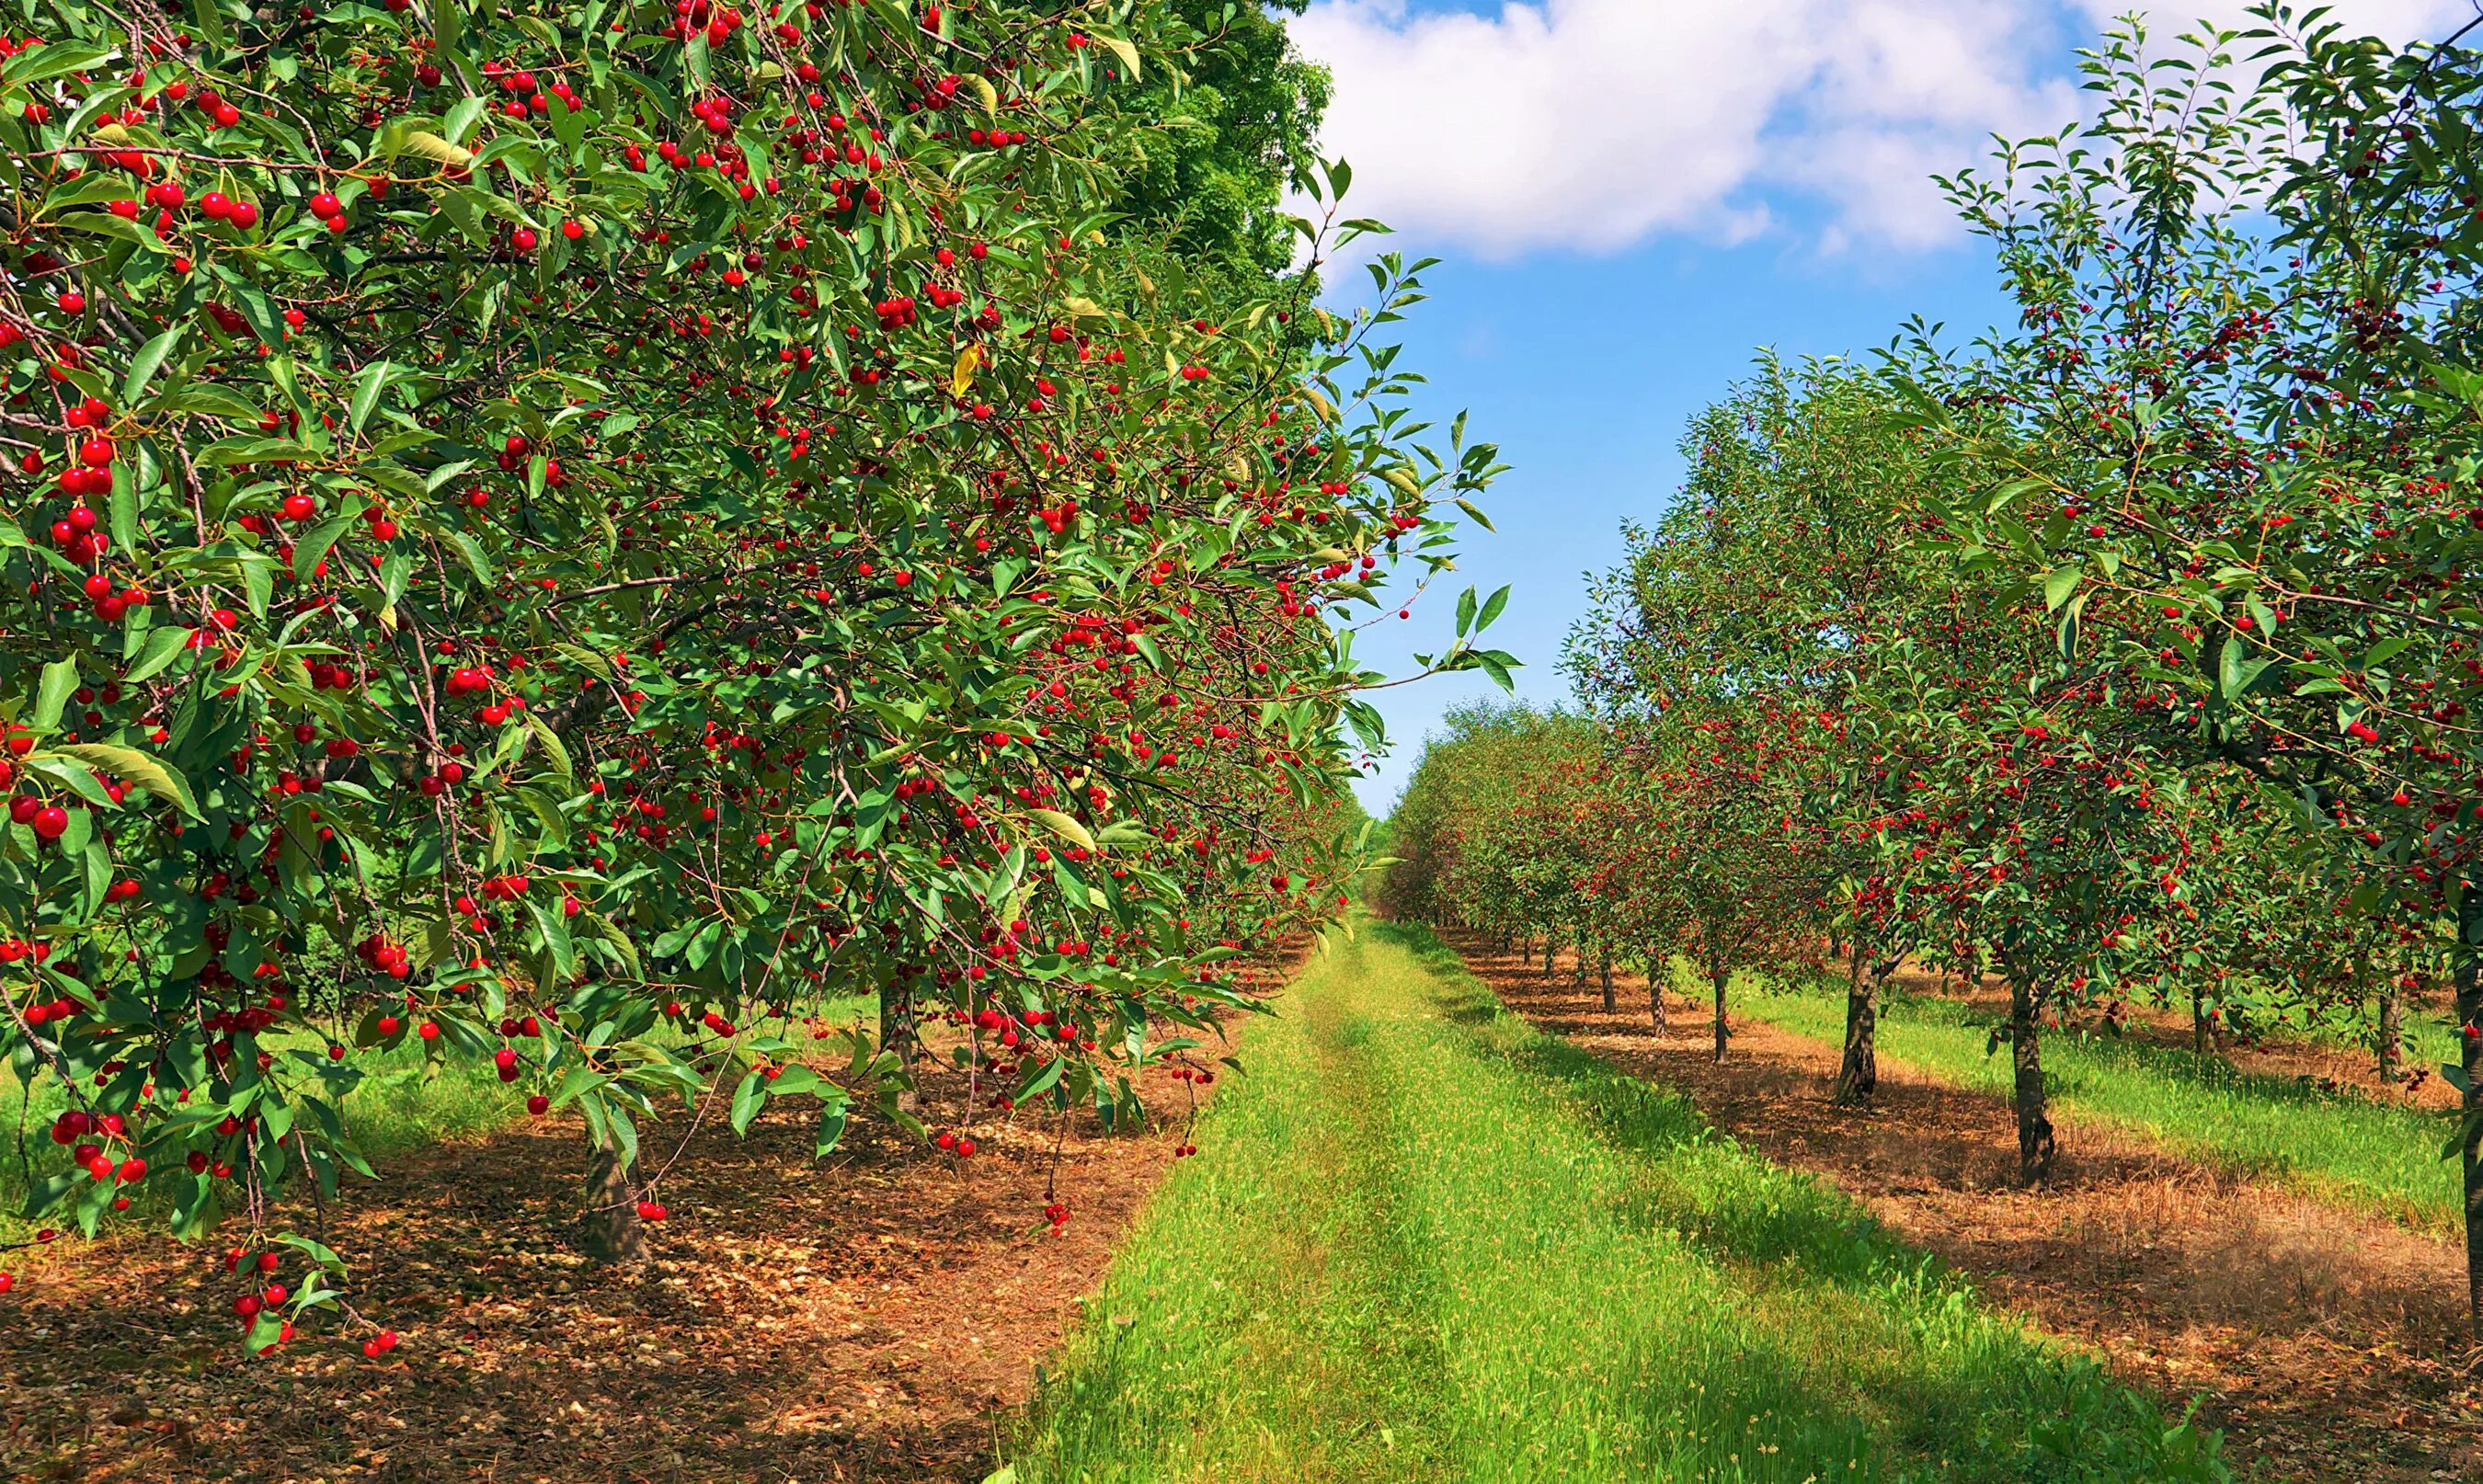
[863, 1318]
[2325, 1345]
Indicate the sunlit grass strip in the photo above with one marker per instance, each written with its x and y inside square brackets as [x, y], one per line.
[2344, 1146]
[1424, 1241]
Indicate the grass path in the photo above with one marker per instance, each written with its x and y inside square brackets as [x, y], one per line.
[2344, 1146]
[1426, 1241]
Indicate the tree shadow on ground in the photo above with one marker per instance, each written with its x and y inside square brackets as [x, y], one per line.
[857, 1318]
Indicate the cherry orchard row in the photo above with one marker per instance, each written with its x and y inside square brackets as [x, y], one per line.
[564, 535]
[2129, 656]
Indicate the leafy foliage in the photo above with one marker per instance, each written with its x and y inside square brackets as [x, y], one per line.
[568, 537]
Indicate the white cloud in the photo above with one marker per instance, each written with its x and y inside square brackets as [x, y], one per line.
[1592, 124]
[2397, 20]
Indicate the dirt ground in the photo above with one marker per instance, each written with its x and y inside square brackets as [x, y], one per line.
[2326, 1345]
[862, 1318]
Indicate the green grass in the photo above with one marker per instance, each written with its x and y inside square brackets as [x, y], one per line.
[2343, 1147]
[1424, 1241]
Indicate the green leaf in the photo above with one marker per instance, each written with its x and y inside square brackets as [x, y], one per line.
[553, 747]
[832, 1128]
[124, 507]
[1038, 1080]
[41, 63]
[1491, 609]
[746, 1099]
[60, 677]
[258, 584]
[2058, 585]
[367, 387]
[98, 875]
[313, 546]
[2234, 672]
[144, 365]
[132, 766]
[163, 645]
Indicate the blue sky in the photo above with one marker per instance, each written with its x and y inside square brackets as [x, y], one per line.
[1632, 197]
[1585, 370]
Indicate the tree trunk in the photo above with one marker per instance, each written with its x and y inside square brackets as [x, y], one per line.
[1655, 977]
[2035, 1147]
[1526, 950]
[1582, 963]
[1552, 951]
[1604, 965]
[1717, 976]
[1858, 1077]
[2469, 978]
[2201, 1039]
[896, 1033]
[2392, 1033]
[614, 1235]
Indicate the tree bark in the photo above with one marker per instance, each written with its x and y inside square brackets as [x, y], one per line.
[2392, 1033]
[1526, 950]
[1655, 977]
[1552, 951]
[896, 1033]
[2201, 1039]
[2468, 974]
[1604, 965]
[1717, 975]
[1858, 1077]
[614, 1235]
[2035, 1144]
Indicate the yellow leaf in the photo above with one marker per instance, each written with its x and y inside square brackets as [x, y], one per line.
[990, 95]
[1067, 828]
[1403, 479]
[963, 376]
[1318, 399]
[1128, 54]
[430, 146]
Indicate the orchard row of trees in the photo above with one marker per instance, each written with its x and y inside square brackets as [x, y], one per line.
[2128, 655]
[569, 535]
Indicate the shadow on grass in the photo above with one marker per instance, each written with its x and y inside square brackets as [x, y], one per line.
[2168, 1063]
